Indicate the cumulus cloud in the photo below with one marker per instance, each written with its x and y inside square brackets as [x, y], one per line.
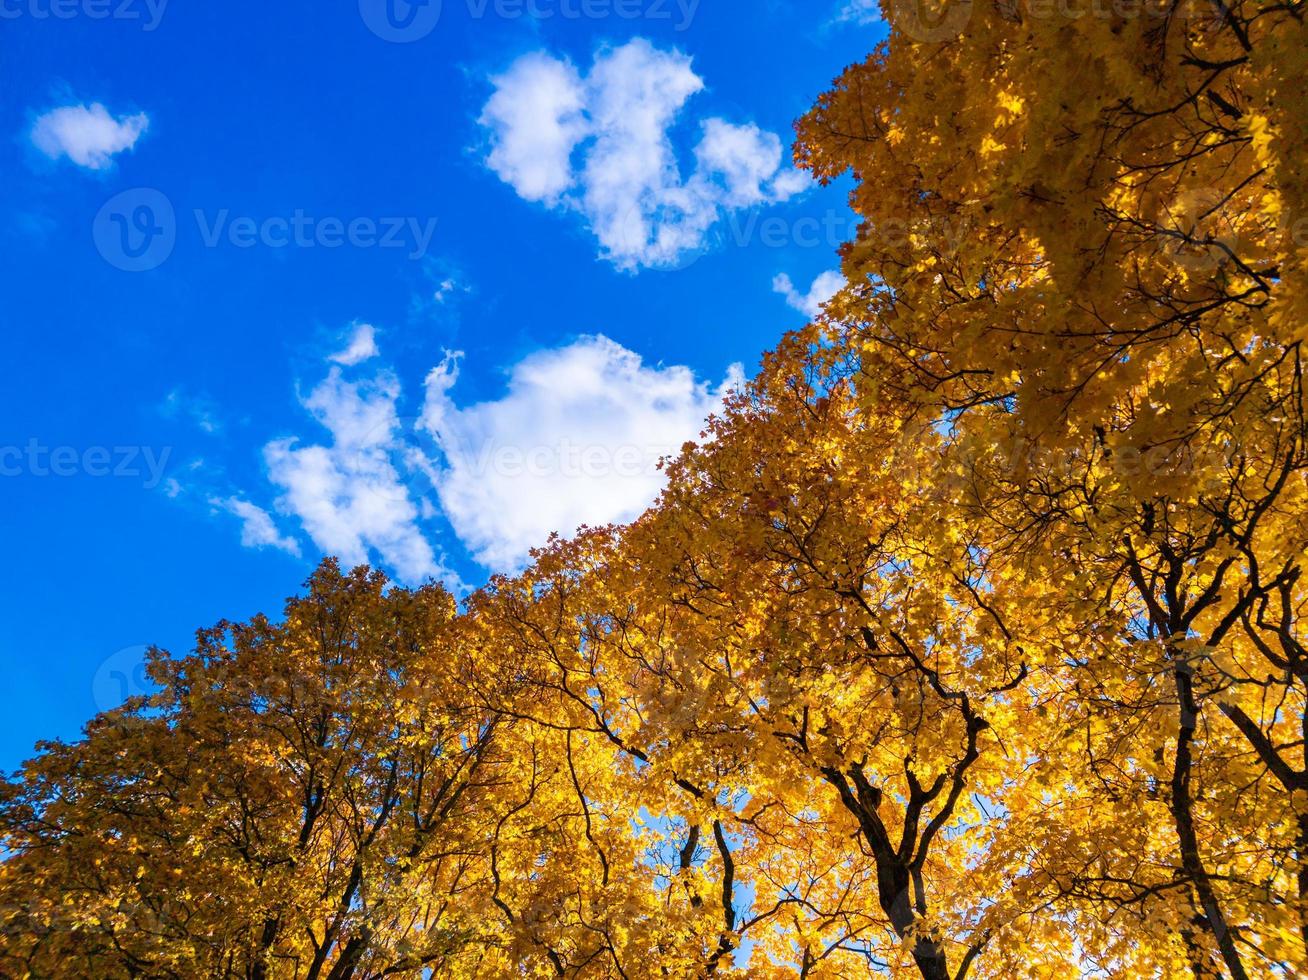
[626, 181]
[362, 346]
[745, 161]
[257, 527]
[575, 440]
[810, 304]
[536, 111]
[88, 135]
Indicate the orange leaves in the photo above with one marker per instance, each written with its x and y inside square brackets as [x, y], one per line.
[1111, 359]
[971, 643]
[272, 807]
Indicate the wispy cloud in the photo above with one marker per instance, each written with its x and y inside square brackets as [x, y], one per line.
[362, 346]
[810, 303]
[199, 409]
[347, 493]
[861, 12]
[627, 182]
[89, 136]
[446, 288]
[257, 527]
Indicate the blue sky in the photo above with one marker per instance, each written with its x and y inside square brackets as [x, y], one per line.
[413, 285]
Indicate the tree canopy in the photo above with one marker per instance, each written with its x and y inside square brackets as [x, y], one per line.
[969, 640]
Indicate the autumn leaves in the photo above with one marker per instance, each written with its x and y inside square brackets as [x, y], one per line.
[971, 643]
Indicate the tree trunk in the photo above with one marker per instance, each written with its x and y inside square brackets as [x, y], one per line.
[1182, 806]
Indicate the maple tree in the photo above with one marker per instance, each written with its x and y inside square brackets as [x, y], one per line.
[1096, 290]
[297, 798]
[969, 641]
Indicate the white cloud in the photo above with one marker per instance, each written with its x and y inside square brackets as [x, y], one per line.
[88, 135]
[257, 527]
[444, 288]
[861, 12]
[810, 304]
[447, 288]
[575, 440]
[349, 496]
[746, 159]
[362, 346]
[629, 187]
[537, 113]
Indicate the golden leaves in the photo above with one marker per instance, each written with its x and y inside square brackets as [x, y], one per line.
[974, 636]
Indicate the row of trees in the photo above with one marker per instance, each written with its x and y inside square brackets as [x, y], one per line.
[969, 642]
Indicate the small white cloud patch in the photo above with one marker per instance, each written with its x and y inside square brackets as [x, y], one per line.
[447, 288]
[810, 304]
[362, 346]
[745, 160]
[89, 136]
[257, 527]
[862, 12]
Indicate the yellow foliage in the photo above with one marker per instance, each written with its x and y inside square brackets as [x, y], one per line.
[971, 643]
